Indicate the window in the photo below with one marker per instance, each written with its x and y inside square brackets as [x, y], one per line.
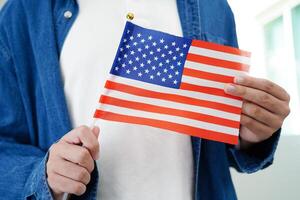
[281, 34]
[296, 31]
[274, 48]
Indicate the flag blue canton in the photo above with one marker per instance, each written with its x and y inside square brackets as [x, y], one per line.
[151, 56]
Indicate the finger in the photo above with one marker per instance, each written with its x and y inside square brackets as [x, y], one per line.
[264, 85]
[66, 185]
[248, 138]
[258, 97]
[70, 170]
[262, 115]
[96, 132]
[86, 137]
[75, 154]
[260, 130]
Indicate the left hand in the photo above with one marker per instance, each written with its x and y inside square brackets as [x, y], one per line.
[265, 107]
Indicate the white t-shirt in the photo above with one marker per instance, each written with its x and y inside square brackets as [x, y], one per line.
[136, 162]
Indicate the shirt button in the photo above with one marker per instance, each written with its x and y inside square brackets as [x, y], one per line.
[68, 14]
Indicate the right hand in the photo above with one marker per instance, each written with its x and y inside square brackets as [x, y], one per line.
[71, 161]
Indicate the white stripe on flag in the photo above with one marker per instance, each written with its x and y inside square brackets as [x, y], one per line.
[169, 118]
[202, 82]
[191, 94]
[213, 69]
[219, 55]
[174, 105]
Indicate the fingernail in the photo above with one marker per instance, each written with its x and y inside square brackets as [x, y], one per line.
[239, 79]
[230, 88]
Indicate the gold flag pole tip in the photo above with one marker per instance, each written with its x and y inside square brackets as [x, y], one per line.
[130, 16]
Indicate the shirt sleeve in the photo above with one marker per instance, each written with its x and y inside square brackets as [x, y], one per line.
[257, 157]
[22, 169]
[22, 165]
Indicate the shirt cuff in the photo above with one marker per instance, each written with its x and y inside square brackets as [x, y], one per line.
[256, 157]
[37, 186]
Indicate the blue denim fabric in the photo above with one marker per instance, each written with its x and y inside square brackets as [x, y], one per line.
[33, 111]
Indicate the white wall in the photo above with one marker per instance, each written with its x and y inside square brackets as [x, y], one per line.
[281, 181]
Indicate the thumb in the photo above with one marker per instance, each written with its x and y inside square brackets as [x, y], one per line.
[96, 131]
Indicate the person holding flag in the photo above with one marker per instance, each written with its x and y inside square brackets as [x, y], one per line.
[176, 109]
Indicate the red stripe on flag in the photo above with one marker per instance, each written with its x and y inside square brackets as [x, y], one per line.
[169, 111]
[217, 62]
[170, 97]
[208, 75]
[179, 128]
[218, 47]
[207, 90]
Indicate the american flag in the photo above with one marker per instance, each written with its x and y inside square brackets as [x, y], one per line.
[174, 83]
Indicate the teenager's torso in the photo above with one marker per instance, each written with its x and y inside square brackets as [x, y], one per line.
[135, 160]
[33, 34]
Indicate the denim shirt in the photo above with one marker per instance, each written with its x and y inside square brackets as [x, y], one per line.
[33, 111]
